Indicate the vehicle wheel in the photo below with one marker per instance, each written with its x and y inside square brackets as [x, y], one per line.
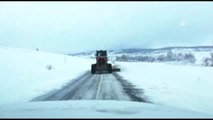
[109, 68]
[93, 68]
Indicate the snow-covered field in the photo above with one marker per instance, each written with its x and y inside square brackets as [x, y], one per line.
[176, 91]
[187, 87]
[25, 74]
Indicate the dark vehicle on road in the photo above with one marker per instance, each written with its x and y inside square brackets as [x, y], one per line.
[101, 62]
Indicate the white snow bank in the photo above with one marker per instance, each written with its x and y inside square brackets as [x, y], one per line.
[24, 73]
[94, 109]
[187, 87]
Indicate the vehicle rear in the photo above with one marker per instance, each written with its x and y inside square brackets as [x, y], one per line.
[101, 63]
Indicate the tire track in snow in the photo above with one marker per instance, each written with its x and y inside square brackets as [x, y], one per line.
[134, 93]
[96, 87]
[99, 87]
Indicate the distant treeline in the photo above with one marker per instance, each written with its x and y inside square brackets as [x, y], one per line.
[170, 56]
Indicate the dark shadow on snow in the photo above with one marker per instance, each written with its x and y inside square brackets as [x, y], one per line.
[134, 93]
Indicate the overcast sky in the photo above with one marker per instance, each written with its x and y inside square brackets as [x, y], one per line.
[80, 26]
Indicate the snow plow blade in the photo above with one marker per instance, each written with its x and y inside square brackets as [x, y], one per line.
[115, 69]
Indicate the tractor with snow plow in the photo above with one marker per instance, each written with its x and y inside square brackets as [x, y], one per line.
[102, 63]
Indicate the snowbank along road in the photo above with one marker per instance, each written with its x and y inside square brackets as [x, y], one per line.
[96, 87]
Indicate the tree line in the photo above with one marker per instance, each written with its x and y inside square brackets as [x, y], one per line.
[169, 56]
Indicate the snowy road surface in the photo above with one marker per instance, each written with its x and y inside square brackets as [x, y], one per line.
[95, 87]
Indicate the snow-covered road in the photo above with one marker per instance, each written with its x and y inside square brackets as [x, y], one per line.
[95, 87]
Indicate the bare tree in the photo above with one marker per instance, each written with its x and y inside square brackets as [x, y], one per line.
[189, 58]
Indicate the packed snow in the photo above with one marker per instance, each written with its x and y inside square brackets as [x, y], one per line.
[175, 91]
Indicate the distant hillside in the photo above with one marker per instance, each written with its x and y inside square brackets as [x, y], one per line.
[148, 50]
[201, 55]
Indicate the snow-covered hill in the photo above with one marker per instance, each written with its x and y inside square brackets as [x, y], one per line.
[176, 91]
[157, 55]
